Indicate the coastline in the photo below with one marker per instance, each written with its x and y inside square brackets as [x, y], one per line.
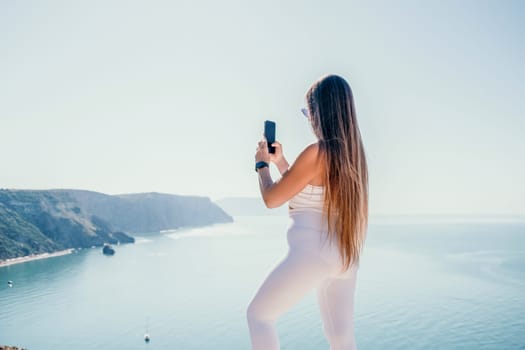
[27, 258]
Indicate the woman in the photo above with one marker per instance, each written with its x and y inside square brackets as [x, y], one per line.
[327, 190]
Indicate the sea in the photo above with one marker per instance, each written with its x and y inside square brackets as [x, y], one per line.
[422, 284]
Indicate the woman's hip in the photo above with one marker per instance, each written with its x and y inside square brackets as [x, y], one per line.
[307, 231]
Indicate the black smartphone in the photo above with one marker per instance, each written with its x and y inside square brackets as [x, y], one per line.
[269, 133]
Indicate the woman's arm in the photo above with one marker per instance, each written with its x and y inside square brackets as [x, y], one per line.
[302, 171]
[283, 166]
[265, 181]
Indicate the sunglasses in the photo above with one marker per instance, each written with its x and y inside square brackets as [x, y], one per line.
[305, 112]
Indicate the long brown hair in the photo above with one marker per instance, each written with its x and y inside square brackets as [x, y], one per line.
[333, 117]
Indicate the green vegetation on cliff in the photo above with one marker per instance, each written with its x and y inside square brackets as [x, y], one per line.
[33, 222]
[19, 237]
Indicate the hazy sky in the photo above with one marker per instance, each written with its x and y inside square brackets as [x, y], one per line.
[169, 96]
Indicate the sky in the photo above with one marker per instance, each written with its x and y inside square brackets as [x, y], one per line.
[171, 96]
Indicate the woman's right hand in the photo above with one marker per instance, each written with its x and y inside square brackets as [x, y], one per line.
[278, 155]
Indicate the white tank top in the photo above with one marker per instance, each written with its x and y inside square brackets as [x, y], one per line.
[311, 197]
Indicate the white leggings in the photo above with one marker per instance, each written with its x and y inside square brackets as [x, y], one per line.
[311, 262]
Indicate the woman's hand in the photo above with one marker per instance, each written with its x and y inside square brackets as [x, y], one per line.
[277, 157]
[261, 153]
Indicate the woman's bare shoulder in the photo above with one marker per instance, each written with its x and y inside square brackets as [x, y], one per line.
[311, 160]
[311, 151]
[312, 154]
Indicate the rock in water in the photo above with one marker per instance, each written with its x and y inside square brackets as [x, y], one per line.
[108, 250]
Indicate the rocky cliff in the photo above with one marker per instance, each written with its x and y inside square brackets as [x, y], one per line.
[147, 212]
[33, 222]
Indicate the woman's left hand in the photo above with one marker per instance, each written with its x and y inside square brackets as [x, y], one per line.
[262, 153]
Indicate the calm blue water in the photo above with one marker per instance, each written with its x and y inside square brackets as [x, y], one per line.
[420, 286]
